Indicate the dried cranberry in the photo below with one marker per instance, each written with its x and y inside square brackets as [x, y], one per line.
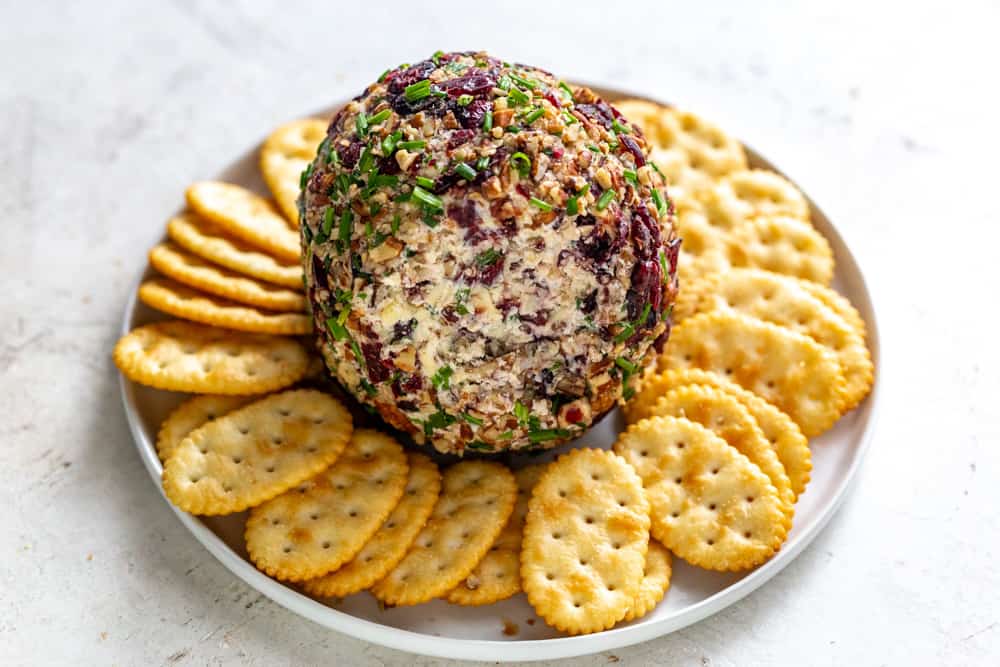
[403, 385]
[508, 304]
[401, 330]
[432, 104]
[459, 137]
[539, 318]
[585, 220]
[488, 274]
[633, 147]
[647, 288]
[446, 181]
[603, 243]
[350, 154]
[409, 406]
[672, 250]
[319, 272]
[554, 97]
[411, 75]
[588, 304]
[598, 112]
[467, 217]
[476, 84]
[377, 369]
[471, 115]
[645, 234]
[448, 314]
[574, 415]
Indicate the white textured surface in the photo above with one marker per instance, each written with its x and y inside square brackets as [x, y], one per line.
[885, 114]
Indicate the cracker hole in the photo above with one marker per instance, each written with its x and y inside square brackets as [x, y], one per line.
[311, 450]
[562, 493]
[352, 513]
[236, 459]
[770, 384]
[326, 545]
[278, 441]
[712, 507]
[611, 587]
[750, 499]
[275, 522]
[368, 558]
[616, 545]
[715, 471]
[583, 561]
[194, 480]
[556, 536]
[595, 476]
[644, 452]
[269, 468]
[318, 421]
[675, 514]
[677, 480]
[287, 550]
[284, 412]
[747, 534]
[589, 519]
[391, 524]
[710, 542]
[550, 576]
[681, 445]
[244, 430]
[729, 371]
[314, 517]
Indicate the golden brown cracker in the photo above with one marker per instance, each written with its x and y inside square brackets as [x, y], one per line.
[388, 546]
[784, 245]
[477, 498]
[838, 304]
[188, 357]
[742, 195]
[285, 155]
[585, 541]
[788, 369]
[246, 215]
[209, 241]
[257, 452]
[655, 581]
[325, 521]
[191, 414]
[709, 504]
[783, 301]
[186, 267]
[182, 301]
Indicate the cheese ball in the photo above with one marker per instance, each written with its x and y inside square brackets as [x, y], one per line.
[489, 257]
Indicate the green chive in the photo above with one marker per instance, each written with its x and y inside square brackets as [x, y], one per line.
[395, 223]
[427, 198]
[425, 182]
[517, 96]
[506, 435]
[537, 113]
[437, 56]
[361, 124]
[366, 160]
[465, 171]
[618, 127]
[548, 434]
[631, 177]
[328, 217]
[384, 74]
[304, 176]
[482, 163]
[527, 83]
[412, 145]
[442, 378]
[356, 349]
[487, 121]
[379, 117]
[567, 90]
[568, 117]
[385, 180]
[521, 412]
[521, 162]
[487, 257]
[593, 148]
[571, 206]
[337, 330]
[658, 200]
[346, 222]
[504, 83]
[513, 129]
[472, 420]
[664, 266]
[464, 100]
[544, 205]
[625, 333]
[645, 315]
[417, 91]
[626, 365]
[605, 199]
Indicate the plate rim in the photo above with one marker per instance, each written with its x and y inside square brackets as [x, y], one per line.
[529, 649]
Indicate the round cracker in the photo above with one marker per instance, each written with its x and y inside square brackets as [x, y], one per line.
[786, 368]
[186, 302]
[324, 522]
[838, 304]
[782, 244]
[743, 195]
[388, 546]
[186, 267]
[198, 359]
[709, 504]
[284, 157]
[247, 216]
[209, 241]
[585, 541]
[257, 452]
[655, 581]
[191, 414]
[477, 498]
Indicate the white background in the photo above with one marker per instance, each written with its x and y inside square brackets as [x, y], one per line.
[887, 115]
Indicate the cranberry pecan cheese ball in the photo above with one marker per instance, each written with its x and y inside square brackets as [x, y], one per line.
[489, 256]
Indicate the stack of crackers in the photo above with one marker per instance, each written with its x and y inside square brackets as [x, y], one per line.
[764, 356]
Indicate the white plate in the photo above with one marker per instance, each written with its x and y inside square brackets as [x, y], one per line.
[477, 633]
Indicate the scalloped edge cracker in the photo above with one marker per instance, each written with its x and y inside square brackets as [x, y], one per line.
[285, 155]
[191, 414]
[246, 215]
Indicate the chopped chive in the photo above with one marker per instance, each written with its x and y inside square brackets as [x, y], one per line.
[465, 171]
[506, 435]
[379, 117]
[517, 96]
[472, 420]
[304, 176]
[333, 157]
[337, 330]
[645, 315]
[436, 57]
[442, 377]
[384, 74]
[384, 180]
[658, 200]
[543, 205]
[487, 121]
[592, 147]
[521, 162]
[527, 83]
[572, 208]
[664, 266]
[626, 365]
[631, 177]
[417, 91]
[328, 217]
[568, 117]
[521, 412]
[366, 160]
[307, 233]
[548, 434]
[625, 333]
[429, 219]
[618, 127]
[356, 349]
[361, 124]
[605, 199]
[427, 198]
[488, 257]
[395, 223]
[482, 163]
[513, 129]
[346, 222]
[537, 113]
[464, 100]
[504, 83]
[412, 145]
[425, 182]
[566, 90]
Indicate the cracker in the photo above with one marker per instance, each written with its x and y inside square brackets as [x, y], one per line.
[285, 155]
[477, 499]
[709, 504]
[184, 356]
[186, 302]
[174, 262]
[191, 414]
[784, 434]
[783, 301]
[257, 452]
[838, 304]
[691, 151]
[209, 241]
[743, 195]
[245, 215]
[388, 546]
[655, 581]
[788, 369]
[325, 521]
[728, 418]
[498, 575]
[784, 245]
[585, 541]
[705, 248]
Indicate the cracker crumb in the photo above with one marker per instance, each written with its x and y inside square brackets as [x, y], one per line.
[510, 627]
